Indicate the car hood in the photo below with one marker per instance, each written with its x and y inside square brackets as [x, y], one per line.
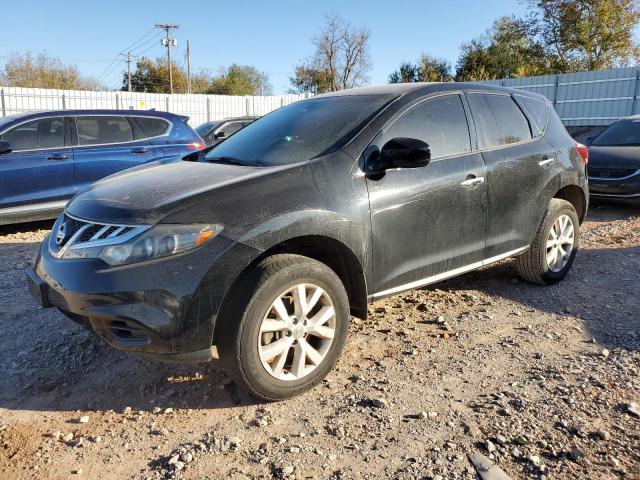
[146, 194]
[614, 157]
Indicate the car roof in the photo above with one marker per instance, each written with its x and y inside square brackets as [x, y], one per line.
[399, 89]
[77, 112]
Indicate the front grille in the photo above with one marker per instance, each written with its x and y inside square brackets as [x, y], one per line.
[611, 173]
[69, 231]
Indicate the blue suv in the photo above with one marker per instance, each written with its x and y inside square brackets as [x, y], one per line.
[46, 157]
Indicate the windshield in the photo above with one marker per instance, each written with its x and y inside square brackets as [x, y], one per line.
[205, 128]
[300, 131]
[621, 133]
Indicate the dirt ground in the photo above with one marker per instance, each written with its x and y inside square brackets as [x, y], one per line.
[541, 380]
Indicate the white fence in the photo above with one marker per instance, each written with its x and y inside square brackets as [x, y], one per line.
[199, 108]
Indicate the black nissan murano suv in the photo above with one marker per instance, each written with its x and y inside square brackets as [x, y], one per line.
[264, 245]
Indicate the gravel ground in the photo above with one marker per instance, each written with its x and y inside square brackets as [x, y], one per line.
[543, 381]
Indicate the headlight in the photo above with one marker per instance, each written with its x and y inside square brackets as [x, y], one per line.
[157, 242]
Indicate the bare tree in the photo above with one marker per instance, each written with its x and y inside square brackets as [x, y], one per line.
[341, 59]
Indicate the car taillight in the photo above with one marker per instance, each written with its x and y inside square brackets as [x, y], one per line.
[583, 151]
[196, 145]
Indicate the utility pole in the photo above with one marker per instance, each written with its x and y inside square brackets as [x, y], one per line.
[128, 71]
[168, 42]
[188, 68]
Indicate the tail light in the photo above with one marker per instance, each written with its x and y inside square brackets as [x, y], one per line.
[583, 151]
[196, 145]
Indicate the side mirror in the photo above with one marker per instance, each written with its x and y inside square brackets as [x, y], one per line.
[402, 153]
[5, 147]
[220, 135]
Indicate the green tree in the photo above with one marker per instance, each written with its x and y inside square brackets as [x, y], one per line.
[507, 50]
[152, 76]
[427, 69]
[241, 80]
[43, 71]
[341, 59]
[587, 34]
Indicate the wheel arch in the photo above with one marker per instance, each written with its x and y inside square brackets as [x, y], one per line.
[576, 197]
[333, 253]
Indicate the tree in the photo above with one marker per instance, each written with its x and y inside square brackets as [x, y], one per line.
[341, 59]
[587, 34]
[428, 69]
[241, 80]
[43, 71]
[507, 50]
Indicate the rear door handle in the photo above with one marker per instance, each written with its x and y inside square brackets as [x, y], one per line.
[57, 156]
[546, 161]
[473, 182]
[140, 150]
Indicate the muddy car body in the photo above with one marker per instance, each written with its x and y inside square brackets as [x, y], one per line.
[400, 186]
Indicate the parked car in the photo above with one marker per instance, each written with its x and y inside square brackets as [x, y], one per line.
[614, 168]
[266, 243]
[46, 157]
[214, 132]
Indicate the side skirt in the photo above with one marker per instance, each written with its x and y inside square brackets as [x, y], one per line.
[445, 275]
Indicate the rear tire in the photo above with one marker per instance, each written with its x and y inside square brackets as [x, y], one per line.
[285, 327]
[554, 246]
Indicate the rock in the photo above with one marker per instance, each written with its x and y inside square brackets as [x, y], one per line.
[535, 459]
[501, 440]
[77, 471]
[575, 454]
[605, 352]
[178, 465]
[633, 409]
[186, 457]
[68, 437]
[126, 410]
[173, 459]
[603, 435]
[84, 419]
[486, 468]
[423, 415]
[378, 402]
[490, 446]
[287, 469]
[156, 410]
[168, 410]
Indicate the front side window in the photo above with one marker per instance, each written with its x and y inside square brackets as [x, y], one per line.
[499, 121]
[100, 130]
[441, 122]
[300, 131]
[37, 135]
[623, 133]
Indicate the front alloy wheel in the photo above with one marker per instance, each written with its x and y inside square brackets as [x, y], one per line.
[294, 317]
[297, 332]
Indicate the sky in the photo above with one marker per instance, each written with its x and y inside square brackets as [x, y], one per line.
[272, 36]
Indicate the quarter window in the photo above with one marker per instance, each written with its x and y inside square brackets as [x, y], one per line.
[441, 122]
[103, 130]
[538, 112]
[37, 135]
[499, 121]
[146, 127]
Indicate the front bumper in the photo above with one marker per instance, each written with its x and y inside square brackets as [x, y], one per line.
[165, 308]
[625, 187]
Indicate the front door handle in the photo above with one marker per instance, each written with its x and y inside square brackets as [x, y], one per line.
[546, 161]
[473, 182]
[57, 156]
[140, 150]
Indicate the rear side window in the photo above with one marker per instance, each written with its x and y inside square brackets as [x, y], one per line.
[499, 121]
[101, 130]
[441, 122]
[36, 135]
[538, 111]
[144, 127]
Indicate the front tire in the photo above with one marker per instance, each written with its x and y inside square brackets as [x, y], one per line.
[293, 320]
[554, 246]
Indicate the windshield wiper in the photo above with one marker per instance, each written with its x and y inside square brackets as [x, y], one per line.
[229, 160]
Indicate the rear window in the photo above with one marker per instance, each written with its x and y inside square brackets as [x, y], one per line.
[538, 111]
[101, 130]
[499, 121]
[146, 127]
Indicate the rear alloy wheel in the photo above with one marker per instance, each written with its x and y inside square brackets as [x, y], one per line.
[554, 246]
[284, 327]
